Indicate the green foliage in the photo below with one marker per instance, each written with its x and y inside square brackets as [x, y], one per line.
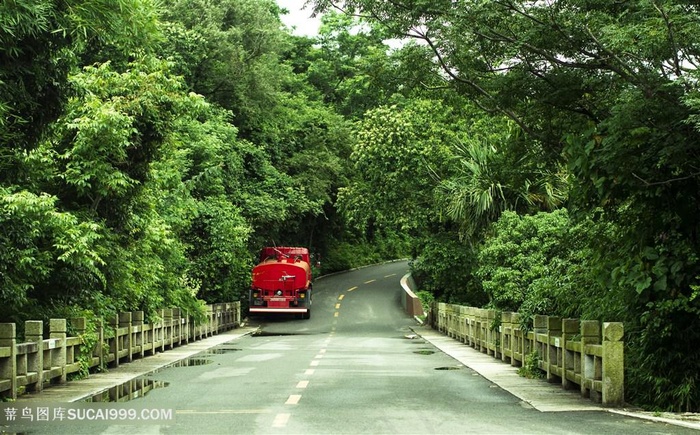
[400, 152]
[42, 42]
[492, 177]
[445, 269]
[427, 300]
[514, 263]
[531, 368]
[610, 92]
[37, 240]
[348, 255]
[228, 51]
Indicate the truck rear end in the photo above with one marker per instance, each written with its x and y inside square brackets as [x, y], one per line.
[281, 282]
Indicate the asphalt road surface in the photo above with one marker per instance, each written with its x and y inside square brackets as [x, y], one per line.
[350, 369]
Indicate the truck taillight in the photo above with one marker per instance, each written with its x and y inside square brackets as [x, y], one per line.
[256, 295]
[302, 295]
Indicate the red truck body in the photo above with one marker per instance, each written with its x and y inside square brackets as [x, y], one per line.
[282, 282]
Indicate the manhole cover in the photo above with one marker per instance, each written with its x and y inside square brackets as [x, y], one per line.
[424, 352]
[448, 368]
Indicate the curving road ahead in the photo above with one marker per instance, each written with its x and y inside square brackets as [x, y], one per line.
[351, 368]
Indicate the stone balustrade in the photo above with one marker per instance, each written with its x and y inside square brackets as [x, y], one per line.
[40, 361]
[580, 354]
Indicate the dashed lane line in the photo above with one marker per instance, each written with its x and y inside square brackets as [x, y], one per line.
[293, 399]
[281, 420]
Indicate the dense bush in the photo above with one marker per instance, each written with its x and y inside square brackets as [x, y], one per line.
[445, 269]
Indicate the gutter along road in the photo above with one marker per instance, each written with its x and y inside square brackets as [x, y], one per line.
[354, 367]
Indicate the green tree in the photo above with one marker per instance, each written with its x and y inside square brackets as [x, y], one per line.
[228, 51]
[607, 89]
[402, 151]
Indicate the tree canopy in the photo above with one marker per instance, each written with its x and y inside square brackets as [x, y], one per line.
[531, 156]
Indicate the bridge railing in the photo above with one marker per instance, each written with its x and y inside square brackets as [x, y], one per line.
[40, 361]
[579, 354]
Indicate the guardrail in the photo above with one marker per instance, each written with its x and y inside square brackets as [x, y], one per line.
[579, 354]
[38, 362]
[410, 302]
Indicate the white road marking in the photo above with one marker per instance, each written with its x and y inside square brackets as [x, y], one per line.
[293, 399]
[281, 420]
[303, 384]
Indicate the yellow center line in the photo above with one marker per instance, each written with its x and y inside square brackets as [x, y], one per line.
[315, 363]
[340, 298]
[309, 371]
[337, 306]
[303, 384]
[351, 289]
[319, 356]
[336, 314]
[370, 281]
[389, 276]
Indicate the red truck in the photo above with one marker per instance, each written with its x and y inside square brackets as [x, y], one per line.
[282, 282]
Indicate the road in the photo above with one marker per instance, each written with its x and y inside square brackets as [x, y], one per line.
[350, 369]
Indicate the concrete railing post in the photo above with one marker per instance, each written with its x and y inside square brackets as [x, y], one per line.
[613, 364]
[57, 331]
[177, 326]
[570, 328]
[125, 322]
[34, 333]
[168, 325]
[553, 347]
[79, 325]
[115, 343]
[491, 348]
[101, 347]
[539, 328]
[8, 366]
[137, 324]
[590, 334]
[517, 343]
[506, 337]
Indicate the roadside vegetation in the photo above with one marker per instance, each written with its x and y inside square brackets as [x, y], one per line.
[531, 157]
